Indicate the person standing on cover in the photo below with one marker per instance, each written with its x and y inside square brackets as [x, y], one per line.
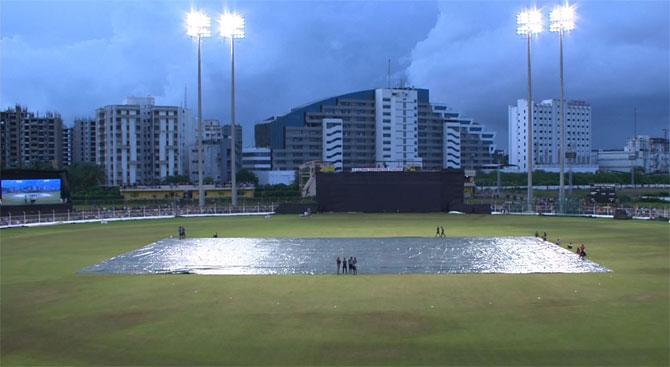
[351, 265]
[437, 233]
[344, 265]
[355, 266]
[442, 233]
[581, 251]
[339, 262]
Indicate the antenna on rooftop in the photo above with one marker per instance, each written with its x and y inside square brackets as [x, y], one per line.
[184, 96]
[634, 122]
[388, 74]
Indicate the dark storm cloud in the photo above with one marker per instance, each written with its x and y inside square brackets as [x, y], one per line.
[617, 59]
[293, 53]
[73, 57]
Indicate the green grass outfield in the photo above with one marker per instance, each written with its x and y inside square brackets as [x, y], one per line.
[51, 315]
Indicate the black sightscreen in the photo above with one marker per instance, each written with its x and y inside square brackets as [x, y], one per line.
[390, 192]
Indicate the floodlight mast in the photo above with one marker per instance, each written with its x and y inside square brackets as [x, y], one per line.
[562, 19]
[529, 22]
[198, 27]
[231, 25]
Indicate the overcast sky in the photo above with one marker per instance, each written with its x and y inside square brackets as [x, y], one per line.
[74, 56]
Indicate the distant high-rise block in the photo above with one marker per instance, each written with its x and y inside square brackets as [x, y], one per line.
[10, 135]
[29, 140]
[84, 141]
[396, 128]
[546, 135]
[139, 142]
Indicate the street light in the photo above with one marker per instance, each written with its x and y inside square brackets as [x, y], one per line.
[529, 22]
[562, 19]
[198, 27]
[231, 25]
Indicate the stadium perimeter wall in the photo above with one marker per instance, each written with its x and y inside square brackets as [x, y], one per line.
[390, 192]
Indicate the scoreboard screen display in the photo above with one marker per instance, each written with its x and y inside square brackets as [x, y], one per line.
[602, 194]
[31, 192]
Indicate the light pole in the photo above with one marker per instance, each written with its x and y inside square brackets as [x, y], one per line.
[198, 27]
[529, 22]
[231, 25]
[562, 19]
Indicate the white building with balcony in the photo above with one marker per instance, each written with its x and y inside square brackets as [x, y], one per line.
[138, 142]
[396, 128]
[333, 143]
[546, 136]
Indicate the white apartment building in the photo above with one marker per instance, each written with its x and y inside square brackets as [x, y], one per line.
[396, 127]
[546, 136]
[138, 142]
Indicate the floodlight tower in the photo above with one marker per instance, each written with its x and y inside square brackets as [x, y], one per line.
[529, 22]
[198, 27]
[231, 25]
[562, 19]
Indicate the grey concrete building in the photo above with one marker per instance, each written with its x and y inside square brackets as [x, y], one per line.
[29, 139]
[216, 153]
[66, 159]
[10, 135]
[41, 140]
[84, 141]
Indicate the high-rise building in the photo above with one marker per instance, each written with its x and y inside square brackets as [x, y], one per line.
[138, 142]
[84, 141]
[546, 136]
[119, 147]
[11, 121]
[67, 146]
[29, 139]
[41, 140]
[396, 128]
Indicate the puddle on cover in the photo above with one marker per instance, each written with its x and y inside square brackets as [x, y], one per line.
[405, 255]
